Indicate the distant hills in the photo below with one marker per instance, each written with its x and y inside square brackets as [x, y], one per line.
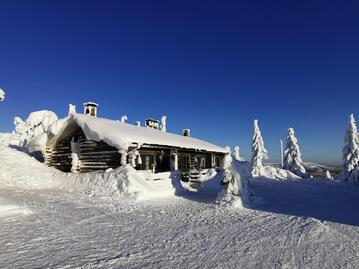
[317, 170]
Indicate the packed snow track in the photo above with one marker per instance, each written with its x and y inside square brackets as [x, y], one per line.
[297, 224]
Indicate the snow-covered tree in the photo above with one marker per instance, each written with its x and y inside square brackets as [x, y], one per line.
[350, 153]
[236, 155]
[163, 124]
[36, 124]
[259, 153]
[72, 109]
[292, 156]
[2, 95]
[236, 177]
[227, 164]
[22, 130]
[124, 119]
[328, 175]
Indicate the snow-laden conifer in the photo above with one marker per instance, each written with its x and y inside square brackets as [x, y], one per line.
[259, 153]
[236, 178]
[350, 153]
[328, 175]
[292, 155]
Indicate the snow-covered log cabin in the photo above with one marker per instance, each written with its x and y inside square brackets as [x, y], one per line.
[85, 143]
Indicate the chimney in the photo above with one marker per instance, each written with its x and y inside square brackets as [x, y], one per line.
[90, 108]
[187, 132]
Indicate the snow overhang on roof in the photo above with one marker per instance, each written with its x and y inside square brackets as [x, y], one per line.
[121, 135]
[90, 104]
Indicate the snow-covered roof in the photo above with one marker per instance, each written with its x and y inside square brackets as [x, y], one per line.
[121, 135]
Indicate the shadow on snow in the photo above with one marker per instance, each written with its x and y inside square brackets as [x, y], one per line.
[320, 199]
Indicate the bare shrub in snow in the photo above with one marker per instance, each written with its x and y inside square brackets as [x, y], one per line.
[350, 153]
[292, 155]
[259, 153]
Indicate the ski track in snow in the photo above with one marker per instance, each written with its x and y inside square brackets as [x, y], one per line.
[311, 224]
[71, 230]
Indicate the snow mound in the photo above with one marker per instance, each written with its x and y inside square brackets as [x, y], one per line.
[277, 173]
[124, 181]
[18, 170]
[9, 139]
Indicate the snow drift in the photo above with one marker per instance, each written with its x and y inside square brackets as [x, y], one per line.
[18, 170]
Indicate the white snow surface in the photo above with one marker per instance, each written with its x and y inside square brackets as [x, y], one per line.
[49, 219]
[120, 135]
[38, 143]
[271, 172]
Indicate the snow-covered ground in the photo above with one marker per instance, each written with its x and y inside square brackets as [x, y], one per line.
[52, 220]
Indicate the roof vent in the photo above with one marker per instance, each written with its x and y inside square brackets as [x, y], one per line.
[187, 132]
[90, 108]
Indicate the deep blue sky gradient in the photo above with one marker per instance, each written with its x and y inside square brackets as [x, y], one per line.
[212, 66]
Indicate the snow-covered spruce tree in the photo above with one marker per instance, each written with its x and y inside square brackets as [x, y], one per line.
[235, 177]
[328, 175]
[350, 153]
[292, 156]
[259, 153]
[236, 155]
[227, 164]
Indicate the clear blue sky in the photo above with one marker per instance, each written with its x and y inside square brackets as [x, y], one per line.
[212, 66]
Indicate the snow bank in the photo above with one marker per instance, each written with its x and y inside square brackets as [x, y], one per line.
[277, 173]
[124, 181]
[9, 139]
[18, 170]
[120, 135]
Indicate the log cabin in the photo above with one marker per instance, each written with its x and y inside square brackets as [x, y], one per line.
[85, 143]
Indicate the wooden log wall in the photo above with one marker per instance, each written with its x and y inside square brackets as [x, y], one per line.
[95, 156]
